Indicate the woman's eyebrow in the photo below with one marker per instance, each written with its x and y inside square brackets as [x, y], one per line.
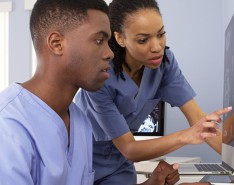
[161, 28]
[146, 34]
[142, 34]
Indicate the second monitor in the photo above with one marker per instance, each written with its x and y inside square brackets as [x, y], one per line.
[153, 125]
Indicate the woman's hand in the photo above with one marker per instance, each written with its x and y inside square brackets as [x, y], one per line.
[207, 127]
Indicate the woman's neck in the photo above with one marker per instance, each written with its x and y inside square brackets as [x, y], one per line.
[134, 74]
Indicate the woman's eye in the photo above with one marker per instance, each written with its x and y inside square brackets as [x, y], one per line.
[142, 41]
[161, 34]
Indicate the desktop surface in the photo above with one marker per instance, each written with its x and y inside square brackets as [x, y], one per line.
[218, 178]
[146, 166]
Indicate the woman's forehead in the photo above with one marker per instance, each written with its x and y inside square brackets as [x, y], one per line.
[143, 20]
[140, 16]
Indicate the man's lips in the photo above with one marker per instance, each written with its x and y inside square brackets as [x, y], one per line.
[106, 69]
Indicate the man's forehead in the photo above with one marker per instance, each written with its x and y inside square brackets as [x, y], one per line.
[97, 23]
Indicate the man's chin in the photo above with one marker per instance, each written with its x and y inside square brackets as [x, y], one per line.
[94, 88]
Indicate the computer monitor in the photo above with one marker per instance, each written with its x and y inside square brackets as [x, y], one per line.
[228, 94]
[153, 125]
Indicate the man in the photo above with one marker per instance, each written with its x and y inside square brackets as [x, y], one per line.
[45, 139]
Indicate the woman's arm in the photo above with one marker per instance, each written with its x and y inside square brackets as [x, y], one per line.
[147, 149]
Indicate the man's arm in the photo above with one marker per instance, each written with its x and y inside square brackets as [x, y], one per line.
[15, 156]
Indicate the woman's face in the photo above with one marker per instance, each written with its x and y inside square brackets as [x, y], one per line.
[144, 39]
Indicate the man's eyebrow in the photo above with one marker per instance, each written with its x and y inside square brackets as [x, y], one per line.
[144, 34]
[103, 33]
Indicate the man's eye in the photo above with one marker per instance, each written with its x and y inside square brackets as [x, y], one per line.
[99, 41]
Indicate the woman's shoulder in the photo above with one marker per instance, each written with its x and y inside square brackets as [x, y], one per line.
[170, 59]
[169, 53]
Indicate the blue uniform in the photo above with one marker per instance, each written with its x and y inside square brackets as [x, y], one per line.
[35, 148]
[121, 106]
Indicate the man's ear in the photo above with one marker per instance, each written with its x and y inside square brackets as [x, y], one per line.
[55, 43]
[119, 39]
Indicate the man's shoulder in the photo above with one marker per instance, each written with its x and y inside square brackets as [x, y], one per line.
[8, 95]
[12, 119]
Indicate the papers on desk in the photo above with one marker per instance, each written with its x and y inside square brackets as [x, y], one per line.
[218, 179]
[220, 183]
[145, 167]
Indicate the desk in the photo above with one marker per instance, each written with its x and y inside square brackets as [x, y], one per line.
[183, 178]
[149, 166]
[190, 178]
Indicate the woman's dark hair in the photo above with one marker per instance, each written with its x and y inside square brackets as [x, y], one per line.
[118, 11]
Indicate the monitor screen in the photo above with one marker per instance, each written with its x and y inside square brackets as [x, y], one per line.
[153, 125]
[228, 95]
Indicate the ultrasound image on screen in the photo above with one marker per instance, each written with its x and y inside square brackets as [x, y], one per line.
[153, 125]
[150, 124]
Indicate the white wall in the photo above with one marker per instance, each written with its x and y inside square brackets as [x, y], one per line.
[195, 32]
[19, 42]
[228, 11]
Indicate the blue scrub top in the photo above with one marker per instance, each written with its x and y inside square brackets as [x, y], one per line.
[121, 106]
[34, 142]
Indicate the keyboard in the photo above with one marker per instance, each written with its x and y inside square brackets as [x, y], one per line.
[210, 167]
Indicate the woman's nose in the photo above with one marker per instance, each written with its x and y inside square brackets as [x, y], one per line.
[155, 45]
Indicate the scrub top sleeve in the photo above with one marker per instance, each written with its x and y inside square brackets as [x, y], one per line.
[15, 159]
[107, 121]
[175, 88]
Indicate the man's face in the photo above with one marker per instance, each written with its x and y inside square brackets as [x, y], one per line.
[87, 52]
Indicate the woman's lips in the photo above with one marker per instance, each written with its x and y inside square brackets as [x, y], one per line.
[156, 60]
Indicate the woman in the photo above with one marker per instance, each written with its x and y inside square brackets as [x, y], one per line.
[143, 72]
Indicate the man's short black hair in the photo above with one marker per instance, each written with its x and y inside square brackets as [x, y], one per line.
[60, 15]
